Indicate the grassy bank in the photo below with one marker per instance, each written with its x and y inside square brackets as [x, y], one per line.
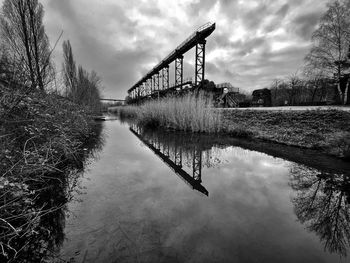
[43, 138]
[327, 131]
[188, 113]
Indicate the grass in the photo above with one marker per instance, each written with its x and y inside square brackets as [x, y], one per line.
[189, 113]
[325, 130]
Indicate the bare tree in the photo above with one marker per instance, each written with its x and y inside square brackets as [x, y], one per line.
[23, 33]
[69, 71]
[81, 86]
[295, 86]
[315, 78]
[275, 84]
[322, 204]
[331, 43]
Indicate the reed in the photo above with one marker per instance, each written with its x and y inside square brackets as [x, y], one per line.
[192, 113]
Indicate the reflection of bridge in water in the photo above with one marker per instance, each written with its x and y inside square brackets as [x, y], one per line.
[171, 153]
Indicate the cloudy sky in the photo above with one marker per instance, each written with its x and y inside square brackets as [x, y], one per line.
[254, 42]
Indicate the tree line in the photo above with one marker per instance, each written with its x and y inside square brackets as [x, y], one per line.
[26, 57]
[325, 76]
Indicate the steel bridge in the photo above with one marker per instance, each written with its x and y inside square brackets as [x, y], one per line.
[173, 158]
[156, 82]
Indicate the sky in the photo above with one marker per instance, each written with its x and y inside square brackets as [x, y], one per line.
[255, 41]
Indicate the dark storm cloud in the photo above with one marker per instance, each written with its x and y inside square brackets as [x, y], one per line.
[305, 24]
[277, 19]
[281, 13]
[212, 68]
[254, 41]
[253, 18]
[195, 9]
[117, 67]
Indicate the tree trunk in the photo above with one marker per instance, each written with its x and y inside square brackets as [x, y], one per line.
[21, 10]
[346, 92]
[340, 92]
[314, 93]
[35, 43]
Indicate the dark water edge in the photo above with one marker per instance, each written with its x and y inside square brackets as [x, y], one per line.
[40, 225]
[232, 200]
[308, 157]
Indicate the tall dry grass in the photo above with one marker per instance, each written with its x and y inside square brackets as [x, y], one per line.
[187, 113]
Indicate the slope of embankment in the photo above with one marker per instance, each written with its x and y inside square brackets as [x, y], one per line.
[327, 131]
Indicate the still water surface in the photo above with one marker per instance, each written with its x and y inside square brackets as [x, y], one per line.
[167, 197]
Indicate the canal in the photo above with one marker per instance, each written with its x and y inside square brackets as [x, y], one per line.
[151, 196]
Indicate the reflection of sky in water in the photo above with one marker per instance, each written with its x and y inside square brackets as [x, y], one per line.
[137, 210]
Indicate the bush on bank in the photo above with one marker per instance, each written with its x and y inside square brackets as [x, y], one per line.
[42, 136]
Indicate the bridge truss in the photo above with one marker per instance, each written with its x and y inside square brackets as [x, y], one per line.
[156, 81]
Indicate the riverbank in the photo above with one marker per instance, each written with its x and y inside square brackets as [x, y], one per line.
[43, 138]
[326, 131]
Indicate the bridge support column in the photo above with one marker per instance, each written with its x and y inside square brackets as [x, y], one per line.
[148, 87]
[165, 78]
[179, 71]
[197, 165]
[156, 83]
[143, 89]
[200, 62]
[137, 90]
[178, 156]
[152, 84]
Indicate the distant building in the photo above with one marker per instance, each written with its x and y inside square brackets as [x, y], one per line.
[261, 98]
[228, 96]
[227, 87]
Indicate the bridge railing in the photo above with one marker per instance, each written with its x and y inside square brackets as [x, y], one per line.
[200, 29]
[205, 26]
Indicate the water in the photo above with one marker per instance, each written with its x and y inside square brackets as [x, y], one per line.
[167, 197]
